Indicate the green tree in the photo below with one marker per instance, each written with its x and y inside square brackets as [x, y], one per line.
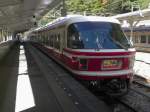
[120, 6]
[124, 6]
[144, 3]
[93, 6]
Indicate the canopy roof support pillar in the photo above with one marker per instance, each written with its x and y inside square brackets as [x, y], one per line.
[132, 25]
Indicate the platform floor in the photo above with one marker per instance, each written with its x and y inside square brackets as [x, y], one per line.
[8, 81]
[142, 65]
[31, 82]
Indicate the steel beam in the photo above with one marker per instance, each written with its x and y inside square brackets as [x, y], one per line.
[7, 4]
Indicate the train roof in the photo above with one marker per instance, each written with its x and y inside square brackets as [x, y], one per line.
[76, 18]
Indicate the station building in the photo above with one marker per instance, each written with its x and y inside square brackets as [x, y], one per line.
[140, 37]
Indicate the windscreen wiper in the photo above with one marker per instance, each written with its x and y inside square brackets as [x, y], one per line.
[118, 43]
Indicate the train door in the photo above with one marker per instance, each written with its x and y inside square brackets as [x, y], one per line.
[64, 44]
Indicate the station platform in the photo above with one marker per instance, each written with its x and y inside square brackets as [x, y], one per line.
[32, 82]
[142, 65]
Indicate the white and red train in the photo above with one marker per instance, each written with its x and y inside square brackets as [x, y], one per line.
[94, 49]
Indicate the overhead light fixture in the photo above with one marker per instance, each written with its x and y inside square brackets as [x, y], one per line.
[47, 2]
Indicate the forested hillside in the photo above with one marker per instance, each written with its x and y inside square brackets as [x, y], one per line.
[112, 6]
[95, 7]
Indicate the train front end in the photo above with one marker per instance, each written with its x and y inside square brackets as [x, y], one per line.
[100, 54]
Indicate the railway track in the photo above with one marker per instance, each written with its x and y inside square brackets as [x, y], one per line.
[146, 85]
[122, 106]
[134, 101]
[138, 97]
[116, 104]
[129, 103]
[56, 74]
[141, 86]
[137, 101]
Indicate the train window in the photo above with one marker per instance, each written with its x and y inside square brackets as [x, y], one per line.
[143, 39]
[149, 39]
[39, 38]
[54, 40]
[44, 38]
[49, 37]
[57, 41]
[48, 40]
[51, 40]
[96, 35]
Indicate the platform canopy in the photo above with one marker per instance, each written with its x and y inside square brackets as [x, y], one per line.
[21, 15]
[133, 18]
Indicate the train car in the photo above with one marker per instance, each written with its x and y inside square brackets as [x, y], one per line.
[94, 49]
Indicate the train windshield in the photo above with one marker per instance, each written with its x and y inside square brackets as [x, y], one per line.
[96, 35]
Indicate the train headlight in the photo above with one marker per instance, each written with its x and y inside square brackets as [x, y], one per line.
[83, 64]
[131, 61]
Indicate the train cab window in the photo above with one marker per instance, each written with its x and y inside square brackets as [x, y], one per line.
[143, 39]
[73, 40]
[128, 36]
[96, 35]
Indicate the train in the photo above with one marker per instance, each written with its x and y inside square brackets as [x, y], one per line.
[94, 49]
[141, 38]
